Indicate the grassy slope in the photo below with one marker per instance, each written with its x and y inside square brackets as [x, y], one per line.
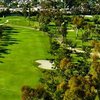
[17, 68]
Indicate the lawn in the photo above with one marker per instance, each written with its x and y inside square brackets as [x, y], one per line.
[19, 20]
[17, 67]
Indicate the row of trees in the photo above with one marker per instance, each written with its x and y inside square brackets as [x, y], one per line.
[75, 6]
[71, 6]
[76, 73]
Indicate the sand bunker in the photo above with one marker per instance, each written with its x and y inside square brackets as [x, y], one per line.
[45, 64]
[70, 30]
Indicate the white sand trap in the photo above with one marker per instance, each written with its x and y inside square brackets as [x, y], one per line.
[45, 64]
[70, 30]
[88, 16]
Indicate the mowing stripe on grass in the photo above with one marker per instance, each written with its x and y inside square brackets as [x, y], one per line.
[17, 68]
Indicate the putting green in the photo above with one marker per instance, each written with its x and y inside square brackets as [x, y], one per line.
[17, 68]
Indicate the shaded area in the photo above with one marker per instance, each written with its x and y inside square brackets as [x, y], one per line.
[6, 40]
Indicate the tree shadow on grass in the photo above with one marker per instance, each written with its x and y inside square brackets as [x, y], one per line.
[4, 50]
[7, 40]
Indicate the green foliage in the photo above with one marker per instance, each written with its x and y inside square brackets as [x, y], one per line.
[1, 31]
[78, 21]
[44, 19]
[25, 10]
[58, 17]
[76, 75]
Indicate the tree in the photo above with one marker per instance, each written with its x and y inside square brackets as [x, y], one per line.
[24, 10]
[1, 31]
[7, 1]
[64, 31]
[44, 19]
[78, 21]
[95, 66]
[58, 19]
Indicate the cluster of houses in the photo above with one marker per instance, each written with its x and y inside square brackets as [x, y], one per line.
[19, 8]
[19, 2]
[23, 1]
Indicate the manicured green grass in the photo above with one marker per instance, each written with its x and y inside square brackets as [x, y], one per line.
[19, 20]
[72, 35]
[18, 67]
